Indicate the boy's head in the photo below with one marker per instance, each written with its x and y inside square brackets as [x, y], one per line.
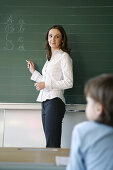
[99, 95]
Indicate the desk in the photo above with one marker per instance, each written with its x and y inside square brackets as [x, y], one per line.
[31, 158]
[37, 155]
[29, 166]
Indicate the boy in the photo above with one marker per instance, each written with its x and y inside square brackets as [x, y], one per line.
[92, 141]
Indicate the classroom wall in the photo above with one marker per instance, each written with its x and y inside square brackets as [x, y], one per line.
[71, 119]
[23, 127]
[89, 27]
[23, 24]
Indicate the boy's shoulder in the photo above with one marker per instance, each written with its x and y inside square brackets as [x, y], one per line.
[86, 124]
[86, 127]
[92, 124]
[92, 128]
[83, 127]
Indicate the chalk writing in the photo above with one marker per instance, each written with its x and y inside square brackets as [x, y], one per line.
[10, 30]
[8, 44]
[21, 26]
[21, 44]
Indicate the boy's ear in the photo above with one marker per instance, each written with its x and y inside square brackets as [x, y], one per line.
[99, 109]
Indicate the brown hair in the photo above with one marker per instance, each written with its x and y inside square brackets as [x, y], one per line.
[100, 89]
[64, 45]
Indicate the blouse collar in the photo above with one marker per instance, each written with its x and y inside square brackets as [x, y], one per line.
[56, 52]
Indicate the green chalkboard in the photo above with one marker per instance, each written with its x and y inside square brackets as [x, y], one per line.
[23, 24]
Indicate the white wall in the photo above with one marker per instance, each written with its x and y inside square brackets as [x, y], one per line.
[1, 126]
[70, 120]
[23, 127]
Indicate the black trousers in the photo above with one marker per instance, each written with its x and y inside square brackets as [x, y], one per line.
[52, 115]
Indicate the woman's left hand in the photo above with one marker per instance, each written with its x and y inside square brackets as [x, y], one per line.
[40, 85]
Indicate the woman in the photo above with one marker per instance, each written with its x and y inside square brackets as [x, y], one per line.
[56, 76]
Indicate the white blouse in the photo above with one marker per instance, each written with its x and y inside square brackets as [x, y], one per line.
[57, 75]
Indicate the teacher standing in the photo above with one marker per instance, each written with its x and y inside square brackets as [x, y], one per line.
[57, 75]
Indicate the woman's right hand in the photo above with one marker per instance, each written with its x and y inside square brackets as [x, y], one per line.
[30, 66]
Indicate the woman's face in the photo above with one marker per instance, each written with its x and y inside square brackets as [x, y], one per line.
[54, 39]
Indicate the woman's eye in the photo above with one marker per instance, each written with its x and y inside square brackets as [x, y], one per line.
[50, 36]
[57, 36]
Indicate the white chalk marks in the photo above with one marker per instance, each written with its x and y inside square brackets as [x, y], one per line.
[14, 29]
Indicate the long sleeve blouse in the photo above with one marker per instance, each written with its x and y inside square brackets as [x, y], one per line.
[57, 75]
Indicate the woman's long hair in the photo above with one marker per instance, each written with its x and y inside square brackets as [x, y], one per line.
[64, 45]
